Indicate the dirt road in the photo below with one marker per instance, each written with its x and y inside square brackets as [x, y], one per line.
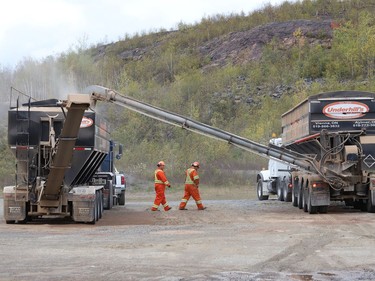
[231, 240]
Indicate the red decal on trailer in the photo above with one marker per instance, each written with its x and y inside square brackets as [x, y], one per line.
[345, 110]
[86, 122]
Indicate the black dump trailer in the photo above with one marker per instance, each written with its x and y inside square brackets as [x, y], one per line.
[58, 147]
[336, 131]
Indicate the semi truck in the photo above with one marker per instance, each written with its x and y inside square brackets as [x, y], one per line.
[65, 161]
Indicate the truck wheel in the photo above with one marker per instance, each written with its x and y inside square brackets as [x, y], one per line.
[10, 221]
[311, 209]
[280, 191]
[260, 191]
[295, 193]
[300, 196]
[121, 200]
[287, 195]
[304, 200]
[294, 197]
[97, 208]
[110, 197]
[101, 207]
[370, 203]
[96, 217]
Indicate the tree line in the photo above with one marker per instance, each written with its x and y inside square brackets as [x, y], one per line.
[164, 68]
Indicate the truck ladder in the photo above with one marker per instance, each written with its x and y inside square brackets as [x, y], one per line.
[22, 151]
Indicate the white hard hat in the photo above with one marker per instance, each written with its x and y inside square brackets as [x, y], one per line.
[195, 164]
[161, 163]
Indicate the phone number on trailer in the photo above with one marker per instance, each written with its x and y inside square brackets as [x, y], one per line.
[325, 125]
[364, 124]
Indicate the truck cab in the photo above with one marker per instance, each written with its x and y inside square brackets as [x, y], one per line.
[120, 187]
[276, 179]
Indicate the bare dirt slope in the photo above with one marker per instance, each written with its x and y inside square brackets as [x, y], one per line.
[231, 240]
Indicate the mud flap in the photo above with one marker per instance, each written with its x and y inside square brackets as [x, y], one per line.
[14, 210]
[371, 196]
[83, 202]
[320, 196]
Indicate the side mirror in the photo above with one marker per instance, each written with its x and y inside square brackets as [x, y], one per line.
[118, 156]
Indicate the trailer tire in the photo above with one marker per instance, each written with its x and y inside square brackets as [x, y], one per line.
[294, 197]
[97, 205]
[96, 217]
[295, 186]
[305, 198]
[10, 221]
[101, 205]
[300, 196]
[110, 197]
[310, 208]
[287, 195]
[370, 203]
[121, 200]
[115, 200]
[261, 197]
[280, 190]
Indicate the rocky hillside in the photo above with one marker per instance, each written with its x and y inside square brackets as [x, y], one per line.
[236, 47]
[243, 47]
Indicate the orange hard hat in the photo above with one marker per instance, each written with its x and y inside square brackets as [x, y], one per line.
[161, 163]
[195, 164]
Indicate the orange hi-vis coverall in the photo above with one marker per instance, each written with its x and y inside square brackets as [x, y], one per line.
[160, 183]
[191, 189]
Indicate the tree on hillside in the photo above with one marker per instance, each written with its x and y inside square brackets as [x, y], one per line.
[353, 52]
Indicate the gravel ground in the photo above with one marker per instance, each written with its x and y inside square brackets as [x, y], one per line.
[231, 240]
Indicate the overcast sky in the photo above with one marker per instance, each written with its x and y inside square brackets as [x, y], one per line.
[40, 28]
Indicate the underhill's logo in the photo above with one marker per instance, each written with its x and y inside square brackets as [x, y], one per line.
[86, 122]
[345, 110]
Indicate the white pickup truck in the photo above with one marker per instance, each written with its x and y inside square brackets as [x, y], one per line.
[120, 187]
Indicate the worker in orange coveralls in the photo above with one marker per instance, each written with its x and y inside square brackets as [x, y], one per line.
[191, 187]
[160, 183]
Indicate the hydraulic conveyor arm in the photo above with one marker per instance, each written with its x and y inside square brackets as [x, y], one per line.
[104, 94]
[61, 161]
